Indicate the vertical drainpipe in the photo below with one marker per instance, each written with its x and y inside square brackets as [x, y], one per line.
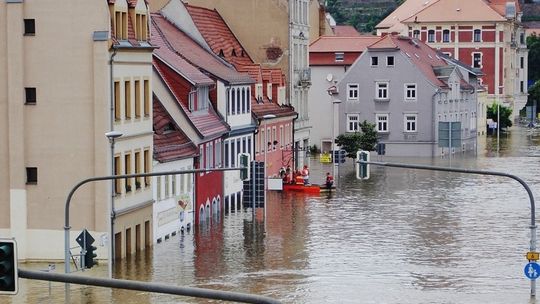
[291, 76]
[111, 127]
[435, 136]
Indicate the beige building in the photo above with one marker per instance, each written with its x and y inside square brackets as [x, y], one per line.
[55, 108]
[276, 33]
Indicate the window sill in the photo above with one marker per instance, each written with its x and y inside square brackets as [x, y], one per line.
[31, 183]
[382, 99]
[410, 100]
[29, 34]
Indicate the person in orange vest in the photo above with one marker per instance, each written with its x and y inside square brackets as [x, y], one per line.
[305, 175]
[299, 180]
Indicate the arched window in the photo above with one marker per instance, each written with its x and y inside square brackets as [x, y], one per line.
[233, 102]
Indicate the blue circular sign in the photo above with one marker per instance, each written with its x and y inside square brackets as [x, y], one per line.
[532, 271]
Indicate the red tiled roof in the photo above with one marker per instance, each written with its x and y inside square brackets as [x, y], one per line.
[345, 31]
[206, 122]
[170, 143]
[254, 71]
[342, 44]
[420, 54]
[218, 35]
[267, 107]
[195, 54]
[166, 54]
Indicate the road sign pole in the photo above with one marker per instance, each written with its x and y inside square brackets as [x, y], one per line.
[533, 249]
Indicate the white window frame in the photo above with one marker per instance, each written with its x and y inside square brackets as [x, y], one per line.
[382, 118]
[410, 87]
[431, 38]
[479, 35]
[449, 36]
[355, 91]
[472, 60]
[371, 61]
[353, 121]
[410, 125]
[393, 59]
[382, 90]
[416, 34]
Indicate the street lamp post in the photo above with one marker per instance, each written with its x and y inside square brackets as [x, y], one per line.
[335, 103]
[112, 135]
[265, 118]
[498, 115]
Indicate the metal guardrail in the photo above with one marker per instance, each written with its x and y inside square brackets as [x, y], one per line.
[147, 286]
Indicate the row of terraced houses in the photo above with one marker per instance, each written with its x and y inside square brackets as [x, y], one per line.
[190, 86]
[173, 79]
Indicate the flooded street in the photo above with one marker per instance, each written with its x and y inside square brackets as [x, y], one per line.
[403, 236]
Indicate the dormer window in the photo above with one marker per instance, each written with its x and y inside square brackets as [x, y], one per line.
[259, 92]
[169, 128]
[269, 90]
[233, 53]
[202, 98]
[120, 25]
[141, 27]
[339, 56]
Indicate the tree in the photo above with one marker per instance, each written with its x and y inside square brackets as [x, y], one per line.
[534, 93]
[533, 44]
[505, 115]
[364, 140]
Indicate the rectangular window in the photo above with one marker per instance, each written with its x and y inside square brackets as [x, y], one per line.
[137, 169]
[410, 92]
[117, 100]
[477, 36]
[521, 63]
[124, 26]
[416, 34]
[146, 96]
[374, 61]
[446, 35]
[410, 123]
[261, 145]
[249, 145]
[167, 186]
[431, 36]
[233, 154]
[281, 137]
[137, 98]
[352, 91]
[29, 27]
[127, 170]
[274, 138]
[30, 95]
[522, 86]
[158, 186]
[352, 122]
[147, 162]
[227, 154]
[390, 61]
[31, 175]
[127, 99]
[118, 25]
[382, 122]
[477, 60]
[144, 27]
[218, 153]
[381, 90]
[173, 185]
[340, 57]
[117, 170]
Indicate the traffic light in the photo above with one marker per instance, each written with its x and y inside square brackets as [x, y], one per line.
[8, 267]
[339, 156]
[86, 240]
[243, 161]
[89, 257]
[362, 170]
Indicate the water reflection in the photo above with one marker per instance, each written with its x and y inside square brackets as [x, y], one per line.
[403, 236]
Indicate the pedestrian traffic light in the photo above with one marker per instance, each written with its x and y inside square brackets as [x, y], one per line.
[89, 257]
[362, 170]
[8, 267]
[243, 161]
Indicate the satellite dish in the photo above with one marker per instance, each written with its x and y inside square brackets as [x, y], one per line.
[329, 77]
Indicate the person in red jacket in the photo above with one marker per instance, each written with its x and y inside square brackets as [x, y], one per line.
[329, 180]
